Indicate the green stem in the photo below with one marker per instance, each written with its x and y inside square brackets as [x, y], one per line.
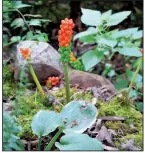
[51, 143]
[67, 87]
[135, 74]
[35, 78]
[39, 143]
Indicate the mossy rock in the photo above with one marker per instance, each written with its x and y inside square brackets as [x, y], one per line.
[114, 125]
[138, 140]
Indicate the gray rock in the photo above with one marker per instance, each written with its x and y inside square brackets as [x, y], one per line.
[44, 58]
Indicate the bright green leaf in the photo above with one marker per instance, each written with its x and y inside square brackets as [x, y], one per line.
[121, 84]
[89, 31]
[91, 17]
[106, 15]
[138, 35]
[78, 142]
[15, 39]
[108, 42]
[18, 22]
[117, 18]
[130, 52]
[45, 122]
[34, 22]
[77, 116]
[91, 58]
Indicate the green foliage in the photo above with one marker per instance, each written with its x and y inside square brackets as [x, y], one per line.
[45, 122]
[10, 130]
[25, 26]
[126, 42]
[84, 115]
[78, 142]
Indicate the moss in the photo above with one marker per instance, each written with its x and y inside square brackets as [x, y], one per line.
[9, 85]
[138, 140]
[114, 125]
[28, 106]
[115, 108]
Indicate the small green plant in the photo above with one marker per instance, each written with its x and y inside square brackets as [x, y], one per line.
[10, 131]
[73, 120]
[27, 23]
[127, 42]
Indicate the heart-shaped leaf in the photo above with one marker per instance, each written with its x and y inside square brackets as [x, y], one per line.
[73, 141]
[91, 17]
[77, 116]
[45, 122]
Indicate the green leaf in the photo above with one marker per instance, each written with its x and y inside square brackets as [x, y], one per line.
[108, 42]
[77, 116]
[106, 15]
[121, 84]
[88, 39]
[91, 17]
[18, 22]
[139, 106]
[138, 35]
[117, 18]
[78, 142]
[124, 33]
[130, 52]
[45, 122]
[15, 39]
[34, 22]
[89, 31]
[91, 58]
[19, 4]
[133, 93]
[130, 75]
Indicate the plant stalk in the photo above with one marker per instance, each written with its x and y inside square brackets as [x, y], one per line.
[35, 78]
[39, 143]
[135, 74]
[51, 143]
[67, 87]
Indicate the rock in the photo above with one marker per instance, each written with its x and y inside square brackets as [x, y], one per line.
[85, 80]
[7, 107]
[45, 60]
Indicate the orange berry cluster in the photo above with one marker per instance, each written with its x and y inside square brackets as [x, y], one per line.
[65, 32]
[72, 57]
[26, 53]
[52, 81]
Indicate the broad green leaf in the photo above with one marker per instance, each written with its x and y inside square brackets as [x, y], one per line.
[19, 4]
[130, 76]
[138, 35]
[78, 142]
[77, 116]
[106, 15]
[124, 33]
[130, 52]
[88, 39]
[15, 39]
[45, 122]
[117, 18]
[89, 31]
[139, 106]
[108, 42]
[34, 22]
[91, 58]
[18, 22]
[91, 17]
[121, 84]
[111, 73]
[22, 6]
